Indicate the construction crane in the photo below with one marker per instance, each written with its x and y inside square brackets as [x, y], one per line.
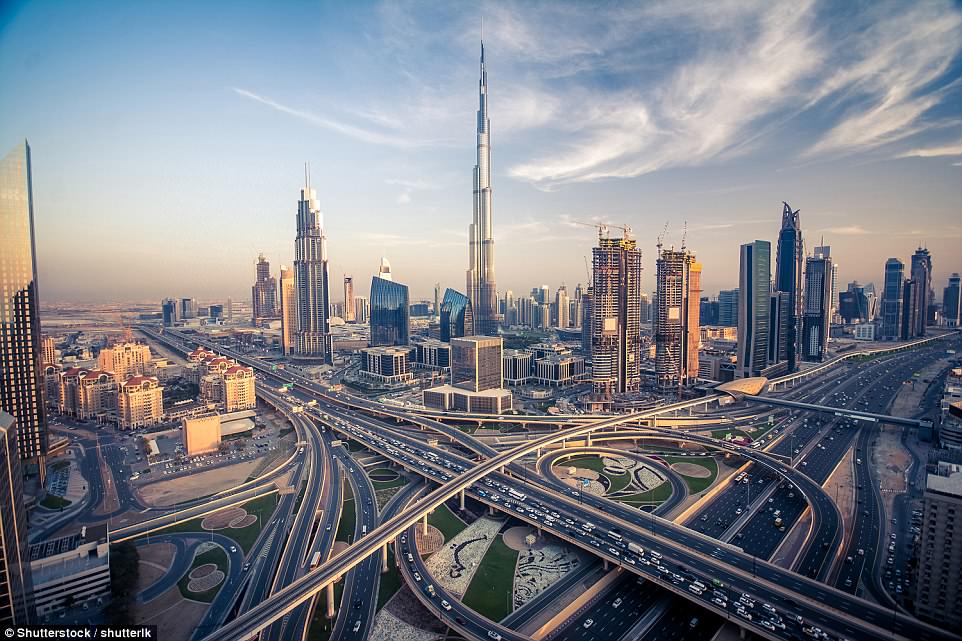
[661, 237]
[587, 271]
[603, 228]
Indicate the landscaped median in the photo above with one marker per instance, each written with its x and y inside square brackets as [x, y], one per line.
[491, 591]
[699, 472]
[241, 523]
[203, 580]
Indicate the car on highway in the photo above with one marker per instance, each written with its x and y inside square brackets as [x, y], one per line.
[588, 623]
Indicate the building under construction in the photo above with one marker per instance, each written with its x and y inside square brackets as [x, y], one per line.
[676, 318]
[615, 318]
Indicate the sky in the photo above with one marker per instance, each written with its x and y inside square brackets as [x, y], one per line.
[169, 139]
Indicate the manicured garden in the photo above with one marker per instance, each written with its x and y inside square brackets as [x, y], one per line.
[491, 589]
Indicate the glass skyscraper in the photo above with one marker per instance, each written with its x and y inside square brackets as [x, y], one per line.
[15, 586]
[312, 339]
[390, 315]
[21, 388]
[788, 279]
[457, 316]
[892, 299]
[754, 307]
[818, 307]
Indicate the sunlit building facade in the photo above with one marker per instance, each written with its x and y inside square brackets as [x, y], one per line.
[124, 360]
[312, 340]
[390, 313]
[16, 604]
[457, 315]
[288, 296]
[140, 403]
[678, 282]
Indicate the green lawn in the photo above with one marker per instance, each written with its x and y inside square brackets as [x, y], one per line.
[218, 557]
[444, 520]
[696, 485]
[490, 592]
[722, 433]
[54, 502]
[345, 527]
[390, 581]
[655, 495]
[262, 506]
[400, 481]
[584, 462]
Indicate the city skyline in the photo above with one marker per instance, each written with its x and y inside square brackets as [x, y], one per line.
[859, 151]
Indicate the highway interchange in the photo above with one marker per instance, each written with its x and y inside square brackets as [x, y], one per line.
[821, 456]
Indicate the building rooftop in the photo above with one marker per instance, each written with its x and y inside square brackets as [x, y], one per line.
[88, 534]
[948, 480]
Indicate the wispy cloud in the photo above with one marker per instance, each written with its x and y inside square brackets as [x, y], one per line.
[319, 120]
[933, 152]
[847, 230]
[385, 240]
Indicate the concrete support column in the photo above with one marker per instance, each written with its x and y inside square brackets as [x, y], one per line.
[424, 524]
[606, 565]
[564, 443]
[588, 439]
[491, 510]
[330, 600]
[384, 558]
[742, 633]
[462, 500]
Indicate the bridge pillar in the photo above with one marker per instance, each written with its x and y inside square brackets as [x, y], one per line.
[606, 564]
[564, 443]
[424, 524]
[742, 633]
[462, 500]
[491, 510]
[330, 600]
[588, 439]
[384, 558]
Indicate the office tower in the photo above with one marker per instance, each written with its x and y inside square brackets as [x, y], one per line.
[853, 304]
[950, 301]
[457, 317]
[817, 318]
[288, 310]
[481, 287]
[778, 319]
[922, 275]
[644, 308]
[216, 312]
[169, 312]
[230, 310]
[312, 340]
[263, 293]
[577, 307]
[615, 317]
[476, 362]
[938, 595]
[188, 308]
[16, 606]
[124, 360]
[362, 309]
[910, 310]
[390, 313]
[348, 299]
[21, 376]
[561, 302]
[892, 299]
[788, 277]
[728, 307]
[708, 312]
[48, 350]
[871, 302]
[437, 301]
[678, 287]
[510, 309]
[384, 269]
[586, 316]
[754, 302]
[826, 250]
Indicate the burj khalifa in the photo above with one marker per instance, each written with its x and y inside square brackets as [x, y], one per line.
[480, 276]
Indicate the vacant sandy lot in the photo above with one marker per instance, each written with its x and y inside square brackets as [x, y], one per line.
[202, 483]
[692, 470]
[154, 561]
[173, 614]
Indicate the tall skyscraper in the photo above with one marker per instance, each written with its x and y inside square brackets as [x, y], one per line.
[950, 301]
[754, 307]
[922, 275]
[16, 607]
[938, 589]
[476, 363]
[348, 299]
[615, 318]
[21, 376]
[788, 277]
[586, 316]
[288, 310]
[817, 319]
[312, 341]
[188, 308]
[169, 312]
[457, 317]
[230, 310]
[561, 302]
[263, 292]
[892, 299]
[362, 309]
[384, 269]
[437, 301]
[480, 276]
[390, 313]
[728, 307]
[678, 283]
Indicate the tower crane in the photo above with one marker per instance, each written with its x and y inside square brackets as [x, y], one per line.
[603, 228]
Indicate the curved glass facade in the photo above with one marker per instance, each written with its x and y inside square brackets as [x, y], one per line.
[457, 316]
[390, 315]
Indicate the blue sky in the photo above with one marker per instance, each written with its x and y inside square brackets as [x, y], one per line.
[169, 138]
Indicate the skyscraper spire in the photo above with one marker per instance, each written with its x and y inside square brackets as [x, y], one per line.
[480, 274]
